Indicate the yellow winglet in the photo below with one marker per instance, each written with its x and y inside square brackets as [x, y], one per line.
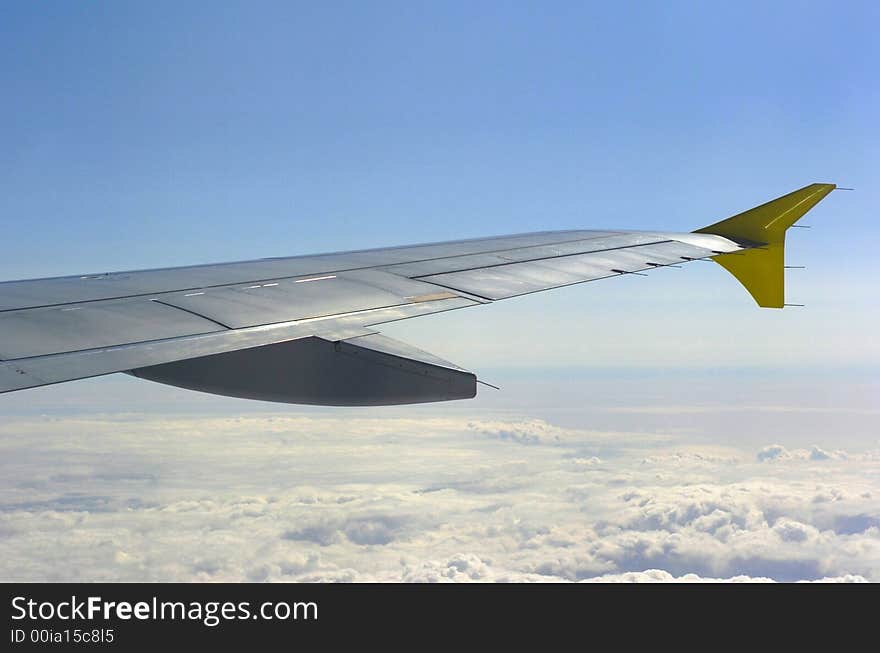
[761, 269]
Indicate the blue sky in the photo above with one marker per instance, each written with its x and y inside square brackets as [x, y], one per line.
[150, 134]
[659, 422]
[145, 135]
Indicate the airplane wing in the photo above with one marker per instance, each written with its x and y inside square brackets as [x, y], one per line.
[304, 329]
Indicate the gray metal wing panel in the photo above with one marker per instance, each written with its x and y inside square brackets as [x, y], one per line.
[599, 240]
[598, 244]
[48, 292]
[671, 253]
[39, 332]
[643, 257]
[56, 368]
[93, 287]
[283, 300]
[96, 287]
[510, 280]
[384, 344]
[448, 264]
[483, 245]
[676, 251]
[12, 378]
[400, 286]
[504, 281]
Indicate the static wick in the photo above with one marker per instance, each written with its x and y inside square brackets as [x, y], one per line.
[802, 226]
[840, 188]
[798, 305]
[795, 267]
[488, 384]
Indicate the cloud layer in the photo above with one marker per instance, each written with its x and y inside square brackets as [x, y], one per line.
[293, 497]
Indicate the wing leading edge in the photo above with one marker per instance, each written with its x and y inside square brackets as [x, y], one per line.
[303, 329]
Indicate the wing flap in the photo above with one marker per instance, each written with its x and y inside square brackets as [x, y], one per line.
[40, 332]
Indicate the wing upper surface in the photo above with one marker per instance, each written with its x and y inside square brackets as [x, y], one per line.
[33, 293]
[60, 329]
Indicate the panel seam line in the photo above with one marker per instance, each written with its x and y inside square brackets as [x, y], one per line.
[186, 310]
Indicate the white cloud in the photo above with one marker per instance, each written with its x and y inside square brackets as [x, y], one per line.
[329, 497]
[660, 576]
[775, 452]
